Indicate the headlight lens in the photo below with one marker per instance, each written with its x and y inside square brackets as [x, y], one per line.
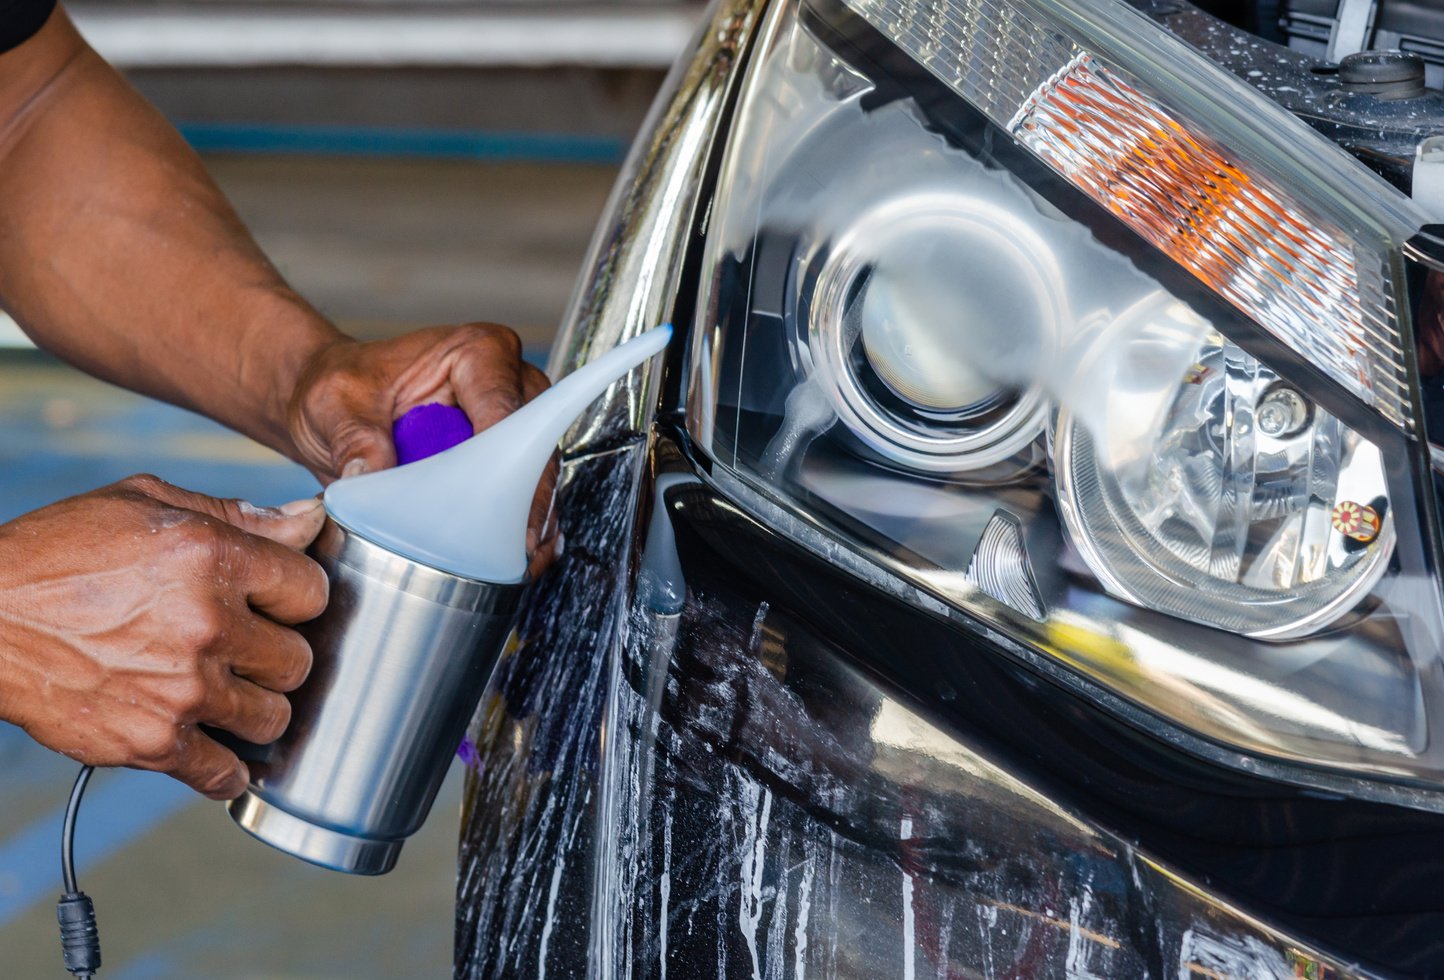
[1119, 369]
[887, 325]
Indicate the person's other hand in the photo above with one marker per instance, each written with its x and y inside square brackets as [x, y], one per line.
[351, 393]
[132, 614]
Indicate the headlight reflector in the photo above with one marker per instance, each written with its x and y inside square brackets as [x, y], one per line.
[1185, 504]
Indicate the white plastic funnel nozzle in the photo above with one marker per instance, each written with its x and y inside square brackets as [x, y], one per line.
[465, 510]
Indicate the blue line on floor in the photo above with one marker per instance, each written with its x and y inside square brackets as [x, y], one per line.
[120, 806]
[147, 966]
[380, 141]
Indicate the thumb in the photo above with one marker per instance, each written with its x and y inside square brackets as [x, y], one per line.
[294, 525]
[361, 447]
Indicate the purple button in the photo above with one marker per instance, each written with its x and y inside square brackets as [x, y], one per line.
[429, 429]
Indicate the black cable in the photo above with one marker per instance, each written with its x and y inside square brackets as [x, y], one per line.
[67, 832]
[79, 939]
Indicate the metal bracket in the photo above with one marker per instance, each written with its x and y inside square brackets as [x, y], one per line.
[1353, 26]
[1428, 183]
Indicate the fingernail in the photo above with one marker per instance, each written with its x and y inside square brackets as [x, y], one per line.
[531, 540]
[296, 508]
[354, 468]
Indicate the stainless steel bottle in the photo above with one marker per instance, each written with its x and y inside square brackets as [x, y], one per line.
[402, 655]
[426, 563]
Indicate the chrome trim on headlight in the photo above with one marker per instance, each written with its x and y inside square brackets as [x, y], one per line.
[628, 283]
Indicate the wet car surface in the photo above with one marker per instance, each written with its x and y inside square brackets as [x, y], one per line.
[728, 743]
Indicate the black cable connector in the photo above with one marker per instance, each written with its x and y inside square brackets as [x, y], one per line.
[79, 938]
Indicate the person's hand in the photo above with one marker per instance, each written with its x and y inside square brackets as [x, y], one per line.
[132, 614]
[351, 393]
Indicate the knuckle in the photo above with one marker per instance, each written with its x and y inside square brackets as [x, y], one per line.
[200, 626]
[231, 509]
[215, 783]
[498, 336]
[276, 718]
[154, 746]
[189, 696]
[195, 543]
[147, 484]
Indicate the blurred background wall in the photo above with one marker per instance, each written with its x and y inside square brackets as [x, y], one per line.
[404, 164]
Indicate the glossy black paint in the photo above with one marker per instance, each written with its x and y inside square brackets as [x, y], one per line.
[624, 749]
[525, 876]
[1357, 877]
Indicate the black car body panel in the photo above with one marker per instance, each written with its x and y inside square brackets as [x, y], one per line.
[796, 772]
[713, 751]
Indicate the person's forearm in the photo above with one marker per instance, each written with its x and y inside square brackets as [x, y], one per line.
[119, 254]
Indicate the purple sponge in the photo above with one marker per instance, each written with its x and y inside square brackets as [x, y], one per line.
[427, 430]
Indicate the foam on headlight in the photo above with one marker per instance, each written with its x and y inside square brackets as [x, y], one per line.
[897, 283]
[1191, 161]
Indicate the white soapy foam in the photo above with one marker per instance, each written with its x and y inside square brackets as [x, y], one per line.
[465, 510]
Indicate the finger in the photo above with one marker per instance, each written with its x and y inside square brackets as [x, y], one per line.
[280, 583]
[533, 381]
[294, 525]
[246, 710]
[542, 525]
[276, 579]
[272, 656]
[487, 377]
[208, 767]
[359, 446]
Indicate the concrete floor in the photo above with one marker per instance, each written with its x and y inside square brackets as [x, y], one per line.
[380, 246]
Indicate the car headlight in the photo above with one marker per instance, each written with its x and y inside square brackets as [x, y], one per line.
[1036, 307]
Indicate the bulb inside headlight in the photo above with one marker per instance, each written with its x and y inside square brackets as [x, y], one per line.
[910, 341]
[1200, 484]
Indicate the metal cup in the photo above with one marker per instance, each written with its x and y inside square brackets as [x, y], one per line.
[403, 653]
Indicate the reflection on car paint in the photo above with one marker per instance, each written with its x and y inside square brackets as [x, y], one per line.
[719, 792]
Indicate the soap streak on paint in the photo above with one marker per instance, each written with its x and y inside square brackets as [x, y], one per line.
[665, 889]
[804, 906]
[752, 792]
[550, 919]
[909, 942]
[945, 938]
[529, 804]
[755, 804]
[987, 922]
[1076, 964]
[776, 960]
[1203, 952]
